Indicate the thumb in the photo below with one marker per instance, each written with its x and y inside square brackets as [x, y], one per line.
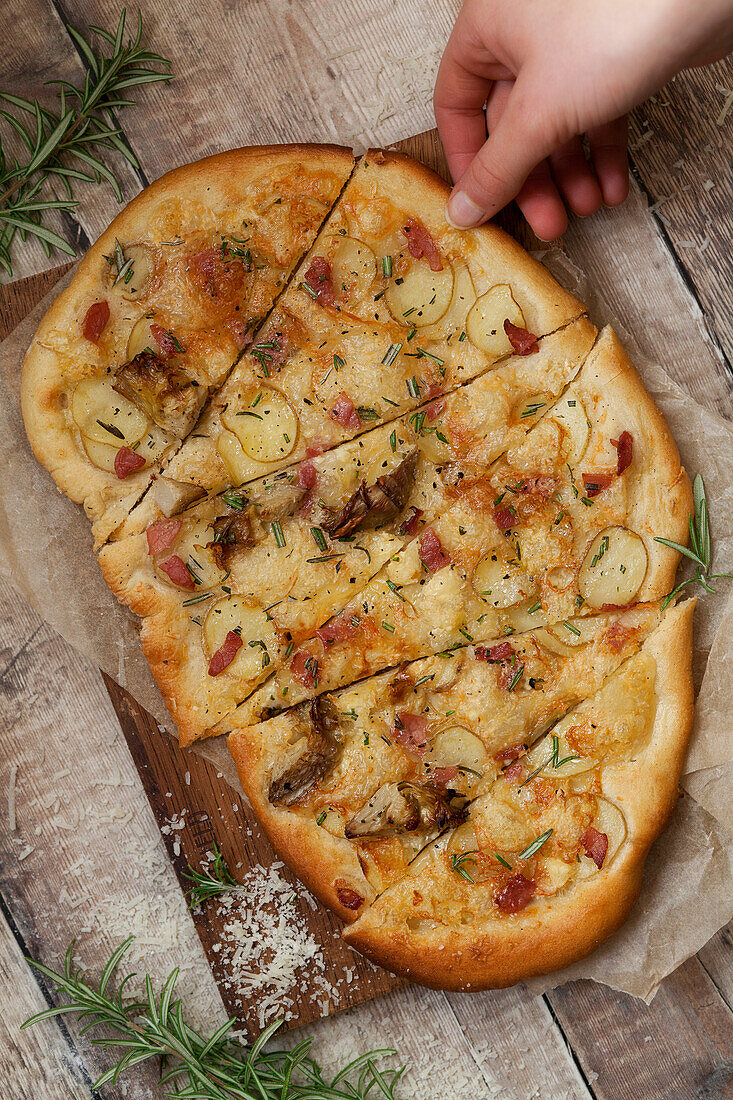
[523, 136]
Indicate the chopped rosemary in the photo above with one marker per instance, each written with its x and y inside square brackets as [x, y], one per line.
[413, 387]
[391, 354]
[535, 846]
[458, 861]
[112, 429]
[278, 533]
[319, 538]
[387, 267]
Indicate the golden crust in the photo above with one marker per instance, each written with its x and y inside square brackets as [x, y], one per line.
[210, 185]
[549, 935]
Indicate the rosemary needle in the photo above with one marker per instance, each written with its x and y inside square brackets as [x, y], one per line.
[192, 1066]
[64, 145]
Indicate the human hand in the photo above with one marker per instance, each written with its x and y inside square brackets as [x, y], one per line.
[548, 72]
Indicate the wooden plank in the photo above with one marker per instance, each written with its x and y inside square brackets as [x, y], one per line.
[38, 1063]
[680, 146]
[332, 84]
[42, 51]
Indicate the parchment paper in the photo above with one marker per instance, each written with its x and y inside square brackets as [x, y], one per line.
[46, 552]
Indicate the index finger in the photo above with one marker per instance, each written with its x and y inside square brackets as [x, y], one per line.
[458, 102]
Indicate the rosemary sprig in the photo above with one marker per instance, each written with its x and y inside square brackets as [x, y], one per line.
[192, 1066]
[64, 145]
[700, 548]
[212, 882]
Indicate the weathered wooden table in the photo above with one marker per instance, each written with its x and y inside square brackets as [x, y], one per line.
[81, 853]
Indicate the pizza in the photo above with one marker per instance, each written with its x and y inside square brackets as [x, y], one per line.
[386, 506]
[159, 310]
[275, 559]
[562, 524]
[472, 836]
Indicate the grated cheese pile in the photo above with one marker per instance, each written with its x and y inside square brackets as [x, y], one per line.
[269, 954]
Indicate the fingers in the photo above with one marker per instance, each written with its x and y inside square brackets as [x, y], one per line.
[515, 147]
[575, 179]
[608, 145]
[540, 202]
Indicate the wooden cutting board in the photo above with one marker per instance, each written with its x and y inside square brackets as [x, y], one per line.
[182, 787]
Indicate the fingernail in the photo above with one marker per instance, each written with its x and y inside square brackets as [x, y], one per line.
[462, 212]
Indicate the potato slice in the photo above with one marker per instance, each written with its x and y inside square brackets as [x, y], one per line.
[104, 416]
[190, 546]
[457, 746]
[259, 637]
[526, 615]
[265, 425]
[136, 277]
[574, 632]
[485, 322]
[570, 414]
[454, 318]
[570, 762]
[614, 568]
[610, 820]
[463, 839]
[501, 584]
[531, 408]
[420, 297]
[353, 268]
[100, 454]
[141, 338]
[233, 457]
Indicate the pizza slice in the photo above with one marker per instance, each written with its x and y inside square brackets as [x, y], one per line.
[271, 562]
[159, 310]
[549, 861]
[561, 526]
[437, 774]
[390, 308]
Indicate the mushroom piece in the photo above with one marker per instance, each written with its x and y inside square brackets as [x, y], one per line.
[404, 807]
[319, 757]
[166, 393]
[381, 501]
[232, 532]
[392, 809]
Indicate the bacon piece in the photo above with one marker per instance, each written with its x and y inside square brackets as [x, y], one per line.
[509, 755]
[541, 485]
[513, 773]
[522, 341]
[127, 462]
[304, 668]
[516, 895]
[344, 412]
[307, 475]
[226, 653]
[410, 731]
[617, 636]
[176, 569]
[504, 651]
[435, 408]
[420, 243]
[625, 448]
[315, 447]
[504, 518]
[432, 554]
[318, 278]
[441, 777]
[338, 629]
[162, 534]
[349, 898]
[409, 524]
[596, 483]
[95, 321]
[595, 845]
[223, 277]
[166, 341]
[507, 672]
[240, 333]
